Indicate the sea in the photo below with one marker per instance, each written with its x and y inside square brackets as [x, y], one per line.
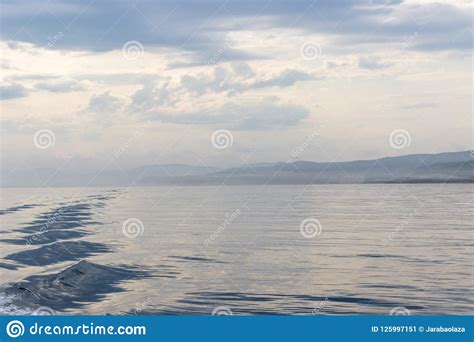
[369, 249]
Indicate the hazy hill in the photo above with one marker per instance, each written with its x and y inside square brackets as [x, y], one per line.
[420, 168]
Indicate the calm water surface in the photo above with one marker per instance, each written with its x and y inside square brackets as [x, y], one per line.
[302, 250]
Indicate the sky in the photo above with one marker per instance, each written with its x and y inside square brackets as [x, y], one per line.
[119, 84]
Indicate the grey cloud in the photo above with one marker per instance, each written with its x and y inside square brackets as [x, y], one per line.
[458, 41]
[150, 96]
[106, 25]
[372, 63]
[104, 103]
[265, 115]
[243, 69]
[285, 79]
[233, 82]
[12, 91]
[207, 57]
[200, 27]
[335, 64]
[32, 77]
[220, 81]
[230, 81]
[59, 87]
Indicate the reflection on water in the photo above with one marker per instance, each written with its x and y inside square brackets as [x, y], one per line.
[370, 249]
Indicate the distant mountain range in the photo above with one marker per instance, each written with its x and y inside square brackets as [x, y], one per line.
[452, 167]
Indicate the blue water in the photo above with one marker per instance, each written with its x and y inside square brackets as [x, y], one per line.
[367, 249]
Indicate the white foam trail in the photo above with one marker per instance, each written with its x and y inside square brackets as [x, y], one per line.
[9, 309]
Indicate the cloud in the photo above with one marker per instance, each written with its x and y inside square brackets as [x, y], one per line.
[265, 115]
[419, 105]
[201, 28]
[59, 87]
[12, 91]
[32, 77]
[207, 57]
[219, 81]
[238, 78]
[372, 63]
[118, 78]
[243, 69]
[104, 103]
[106, 25]
[285, 79]
[150, 96]
[241, 78]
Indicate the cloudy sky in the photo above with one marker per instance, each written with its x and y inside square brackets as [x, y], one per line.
[118, 84]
